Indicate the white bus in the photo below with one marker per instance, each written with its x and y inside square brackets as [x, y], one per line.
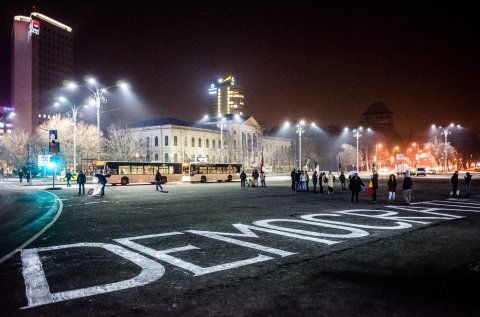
[124, 173]
[205, 172]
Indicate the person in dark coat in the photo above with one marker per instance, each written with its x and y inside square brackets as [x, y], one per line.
[243, 178]
[293, 174]
[315, 180]
[355, 187]
[101, 180]
[81, 180]
[158, 180]
[454, 181]
[342, 180]
[392, 187]
[407, 188]
[68, 176]
[468, 182]
[375, 186]
[297, 180]
[255, 176]
[20, 175]
[320, 179]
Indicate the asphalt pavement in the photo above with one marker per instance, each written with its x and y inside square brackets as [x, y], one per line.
[220, 250]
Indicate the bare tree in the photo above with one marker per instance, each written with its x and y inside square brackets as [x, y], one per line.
[120, 145]
[15, 149]
[348, 156]
[86, 138]
[437, 151]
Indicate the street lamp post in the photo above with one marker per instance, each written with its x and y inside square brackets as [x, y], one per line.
[357, 134]
[300, 130]
[222, 124]
[73, 113]
[377, 161]
[446, 132]
[98, 98]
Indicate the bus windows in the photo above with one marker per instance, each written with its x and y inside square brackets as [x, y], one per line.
[202, 170]
[124, 169]
[149, 169]
[136, 170]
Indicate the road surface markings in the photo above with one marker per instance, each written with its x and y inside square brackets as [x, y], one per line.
[338, 230]
[58, 202]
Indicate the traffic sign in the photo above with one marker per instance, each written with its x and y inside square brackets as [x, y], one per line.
[43, 160]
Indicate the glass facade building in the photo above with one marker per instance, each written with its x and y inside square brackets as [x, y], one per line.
[225, 97]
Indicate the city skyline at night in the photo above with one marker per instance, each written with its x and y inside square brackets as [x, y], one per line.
[322, 62]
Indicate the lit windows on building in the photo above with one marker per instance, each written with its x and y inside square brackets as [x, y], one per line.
[225, 97]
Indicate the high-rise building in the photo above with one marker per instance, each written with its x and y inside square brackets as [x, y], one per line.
[225, 97]
[42, 59]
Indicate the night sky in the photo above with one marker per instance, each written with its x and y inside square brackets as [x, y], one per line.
[322, 61]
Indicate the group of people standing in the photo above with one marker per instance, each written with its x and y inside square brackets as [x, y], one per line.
[356, 185]
[301, 179]
[454, 180]
[253, 181]
[27, 176]
[300, 182]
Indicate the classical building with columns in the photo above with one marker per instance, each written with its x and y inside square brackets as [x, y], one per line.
[234, 139]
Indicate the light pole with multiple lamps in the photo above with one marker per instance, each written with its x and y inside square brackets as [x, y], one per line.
[97, 98]
[446, 133]
[74, 113]
[300, 129]
[222, 123]
[357, 134]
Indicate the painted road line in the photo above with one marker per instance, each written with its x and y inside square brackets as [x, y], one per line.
[26, 243]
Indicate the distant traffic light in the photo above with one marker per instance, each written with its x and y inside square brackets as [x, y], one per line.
[54, 147]
[53, 162]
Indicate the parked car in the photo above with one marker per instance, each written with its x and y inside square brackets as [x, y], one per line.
[431, 171]
[383, 171]
[421, 171]
[413, 172]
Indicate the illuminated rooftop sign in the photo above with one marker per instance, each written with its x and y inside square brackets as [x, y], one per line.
[212, 90]
[34, 27]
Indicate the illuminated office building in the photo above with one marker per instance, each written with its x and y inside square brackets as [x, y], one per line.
[42, 58]
[225, 97]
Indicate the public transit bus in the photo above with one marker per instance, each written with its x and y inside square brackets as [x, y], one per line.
[124, 173]
[205, 172]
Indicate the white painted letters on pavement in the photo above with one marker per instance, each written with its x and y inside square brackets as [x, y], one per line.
[195, 269]
[38, 292]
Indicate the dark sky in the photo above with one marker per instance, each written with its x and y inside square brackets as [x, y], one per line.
[323, 61]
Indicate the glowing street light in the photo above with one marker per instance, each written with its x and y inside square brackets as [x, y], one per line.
[446, 133]
[97, 98]
[72, 113]
[222, 123]
[300, 129]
